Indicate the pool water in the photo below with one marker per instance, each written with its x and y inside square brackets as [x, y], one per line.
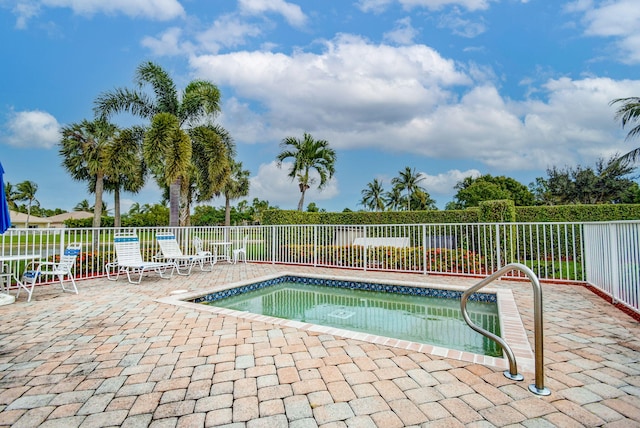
[416, 318]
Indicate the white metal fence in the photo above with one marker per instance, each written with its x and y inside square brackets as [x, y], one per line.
[612, 260]
[605, 255]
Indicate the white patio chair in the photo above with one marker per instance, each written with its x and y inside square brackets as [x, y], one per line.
[242, 251]
[5, 277]
[205, 256]
[170, 250]
[61, 269]
[129, 260]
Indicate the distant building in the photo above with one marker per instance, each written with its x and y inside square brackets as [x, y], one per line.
[58, 220]
[19, 220]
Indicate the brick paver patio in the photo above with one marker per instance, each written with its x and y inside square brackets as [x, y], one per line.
[114, 356]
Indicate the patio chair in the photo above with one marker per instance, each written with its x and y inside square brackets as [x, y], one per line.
[5, 277]
[242, 251]
[61, 269]
[170, 250]
[129, 260]
[206, 256]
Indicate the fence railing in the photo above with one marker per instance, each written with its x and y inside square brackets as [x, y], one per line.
[612, 260]
[605, 255]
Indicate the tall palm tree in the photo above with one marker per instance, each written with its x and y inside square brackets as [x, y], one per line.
[167, 147]
[84, 150]
[308, 154]
[213, 152]
[236, 187]
[26, 191]
[373, 196]
[408, 180]
[629, 113]
[126, 166]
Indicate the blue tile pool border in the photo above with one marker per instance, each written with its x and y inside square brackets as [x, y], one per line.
[346, 284]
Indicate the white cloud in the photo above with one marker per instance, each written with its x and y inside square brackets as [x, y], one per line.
[272, 184]
[32, 129]
[403, 33]
[248, 125]
[346, 88]
[460, 26]
[443, 184]
[378, 6]
[411, 100]
[25, 10]
[618, 19]
[168, 43]
[161, 10]
[228, 32]
[291, 12]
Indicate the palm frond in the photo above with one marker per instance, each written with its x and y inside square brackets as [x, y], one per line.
[162, 85]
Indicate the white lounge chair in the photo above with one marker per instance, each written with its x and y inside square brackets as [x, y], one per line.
[170, 250]
[242, 251]
[63, 268]
[129, 260]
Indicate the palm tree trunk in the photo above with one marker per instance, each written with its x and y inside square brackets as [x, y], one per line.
[97, 208]
[116, 207]
[174, 203]
[301, 202]
[227, 211]
[185, 208]
[26, 225]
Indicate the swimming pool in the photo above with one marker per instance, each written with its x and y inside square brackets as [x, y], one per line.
[508, 317]
[418, 314]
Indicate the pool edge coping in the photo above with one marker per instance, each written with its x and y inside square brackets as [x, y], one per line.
[512, 328]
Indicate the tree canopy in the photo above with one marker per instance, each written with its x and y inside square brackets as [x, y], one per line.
[472, 191]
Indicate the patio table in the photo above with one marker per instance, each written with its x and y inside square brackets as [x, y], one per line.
[223, 250]
[13, 271]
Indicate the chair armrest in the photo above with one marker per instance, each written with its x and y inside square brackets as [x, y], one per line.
[41, 264]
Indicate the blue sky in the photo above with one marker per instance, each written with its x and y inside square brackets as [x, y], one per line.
[452, 88]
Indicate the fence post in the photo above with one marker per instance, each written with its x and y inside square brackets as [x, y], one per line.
[273, 244]
[364, 251]
[498, 252]
[315, 245]
[614, 262]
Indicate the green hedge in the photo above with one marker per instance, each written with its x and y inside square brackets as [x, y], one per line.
[490, 211]
[281, 217]
[578, 213]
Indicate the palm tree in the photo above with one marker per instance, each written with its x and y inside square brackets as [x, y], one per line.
[213, 152]
[84, 154]
[236, 187]
[167, 147]
[83, 205]
[408, 180]
[126, 166]
[10, 193]
[629, 113]
[393, 199]
[373, 196]
[308, 154]
[26, 191]
[134, 209]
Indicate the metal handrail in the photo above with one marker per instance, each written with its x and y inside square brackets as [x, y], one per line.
[538, 387]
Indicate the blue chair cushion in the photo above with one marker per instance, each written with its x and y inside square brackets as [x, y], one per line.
[31, 274]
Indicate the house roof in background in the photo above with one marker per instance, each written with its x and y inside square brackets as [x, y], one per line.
[17, 217]
[75, 215]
